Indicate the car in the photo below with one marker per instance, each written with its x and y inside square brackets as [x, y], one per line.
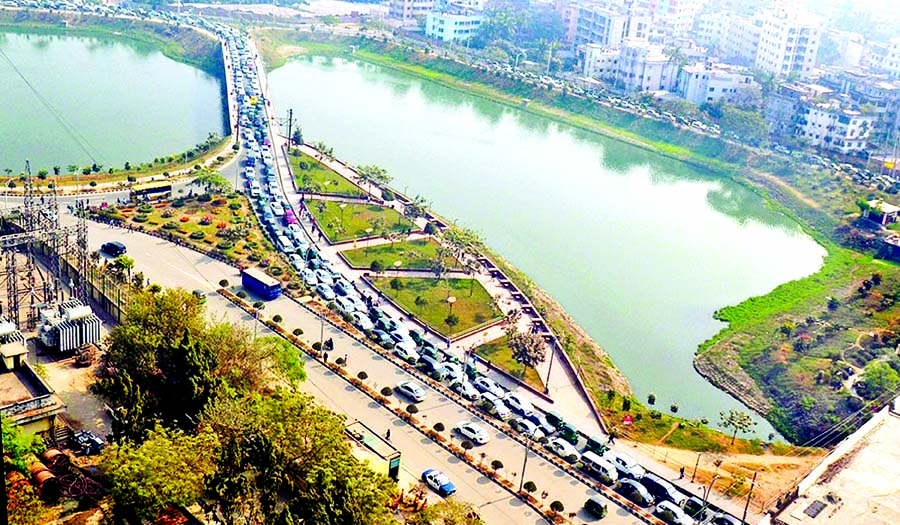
[357, 302]
[486, 384]
[526, 428]
[473, 432]
[387, 324]
[325, 291]
[361, 321]
[375, 313]
[342, 287]
[439, 482]
[416, 336]
[200, 295]
[672, 514]
[563, 449]
[494, 406]
[382, 338]
[429, 365]
[464, 388]
[698, 509]
[296, 261]
[324, 277]
[724, 519]
[625, 464]
[406, 352]
[343, 305]
[635, 492]
[309, 278]
[399, 337]
[568, 433]
[412, 390]
[662, 490]
[596, 507]
[113, 249]
[541, 421]
[518, 403]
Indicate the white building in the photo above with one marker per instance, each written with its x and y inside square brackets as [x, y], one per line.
[827, 126]
[892, 59]
[645, 67]
[608, 26]
[452, 27]
[407, 11]
[788, 43]
[739, 42]
[704, 82]
[598, 61]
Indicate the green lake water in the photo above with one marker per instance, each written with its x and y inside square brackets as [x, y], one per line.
[639, 249]
[124, 100]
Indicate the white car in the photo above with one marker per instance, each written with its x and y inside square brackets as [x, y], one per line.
[357, 302]
[324, 277]
[296, 262]
[411, 390]
[473, 432]
[344, 305]
[526, 428]
[625, 464]
[406, 352]
[309, 278]
[519, 404]
[564, 449]
[672, 513]
[486, 384]
[362, 321]
[463, 388]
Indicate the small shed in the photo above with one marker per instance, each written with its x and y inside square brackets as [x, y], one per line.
[881, 212]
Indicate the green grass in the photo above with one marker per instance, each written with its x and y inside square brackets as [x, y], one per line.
[500, 354]
[352, 221]
[415, 255]
[317, 177]
[473, 307]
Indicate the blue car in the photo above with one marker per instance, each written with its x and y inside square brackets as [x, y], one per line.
[439, 482]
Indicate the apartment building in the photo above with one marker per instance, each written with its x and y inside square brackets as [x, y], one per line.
[646, 67]
[828, 126]
[706, 82]
[408, 11]
[609, 25]
[891, 62]
[448, 26]
[739, 43]
[788, 43]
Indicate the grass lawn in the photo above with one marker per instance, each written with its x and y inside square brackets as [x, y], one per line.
[416, 254]
[319, 178]
[353, 221]
[500, 354]
[427, 300]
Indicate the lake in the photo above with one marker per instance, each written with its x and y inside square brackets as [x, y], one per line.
[639, 249]
[103, 100]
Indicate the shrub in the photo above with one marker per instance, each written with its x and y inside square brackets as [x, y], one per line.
[225, 245]
[170, 226]
[276, 270]
[242, 294]
[412, 409]
[362, 375]
[387, 391]
[178, 203]
[387, 195]
[197, 235]
[145, 208]
[140, 218]
[430, 229]
[639, 416]
[277, 318]
[304, 165]
[651, 398]
[557, 506]
[93, 184]
[655, 414]
[317, 346]
[223, 283]
[204, 198]
[674, 408]
[439, 427]
[219, 202]
[626, 404]
[298, 332]
[529, 487]
[235, 205]
[496, 464]
[339, 361]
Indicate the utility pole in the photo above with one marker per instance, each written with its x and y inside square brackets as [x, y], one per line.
[524, 464]
[290, 137]
[747, 505]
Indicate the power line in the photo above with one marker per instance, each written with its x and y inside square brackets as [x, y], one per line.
[70, 130]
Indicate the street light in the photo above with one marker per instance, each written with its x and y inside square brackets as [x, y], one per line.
[709, 489]
[519, 55]
[450, 301]
[342, 206]
[524, 464]
[368, 238]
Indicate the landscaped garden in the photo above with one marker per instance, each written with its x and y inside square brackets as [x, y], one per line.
[417, 254]
[343, 221]
[223, 225]
[499, 354]
[313, 176]
[426, 298]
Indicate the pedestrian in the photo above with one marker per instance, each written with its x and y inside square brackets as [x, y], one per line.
[325, 356]
[387, 435]
[346, 358]
[681, 473]
[611, 440]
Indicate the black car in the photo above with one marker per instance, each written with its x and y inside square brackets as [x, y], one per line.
[596, 506]
[661, 489]
[113, 249]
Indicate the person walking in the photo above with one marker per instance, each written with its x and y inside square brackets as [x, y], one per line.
[346, 358]
[681, 473]
[387, 435]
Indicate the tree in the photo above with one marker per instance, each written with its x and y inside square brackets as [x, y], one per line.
[557, 506]
[452, 320]
[528, 348]
[18, 446]
[124, 263]
[737, 420]
[396, 284]
[297, 136]
[370, 174]
[877, 379]
[750, 126]
[211, 180]
[169, 469]
[325, 151]
[447, 512]
[377, 266]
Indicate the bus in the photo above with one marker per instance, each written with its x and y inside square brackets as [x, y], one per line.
[151, 191]
[260, 284]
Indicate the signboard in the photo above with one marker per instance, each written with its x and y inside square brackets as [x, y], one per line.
[627, 419]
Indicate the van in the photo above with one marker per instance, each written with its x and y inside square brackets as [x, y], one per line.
[662, 490]
[599, 468]
[284, 244]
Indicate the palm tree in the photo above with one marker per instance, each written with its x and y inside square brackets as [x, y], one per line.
[371, 174]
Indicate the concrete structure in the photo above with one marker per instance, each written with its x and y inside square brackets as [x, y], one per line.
[739, 42]
[848, 46]
[876, 93]
[376, 450]
[407, 11]
[646, 67]
[706, 82]
[788, 43]
[784, 105]
[598, 61]
[709, 28]
[829, 126]
[25, 399]
[881, 212]
[609, 26]
[856, 483]
[891, 62]
[448, 26]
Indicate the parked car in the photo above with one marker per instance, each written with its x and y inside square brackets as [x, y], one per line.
[541, 421]
[324, 277]
[518, 403]
[564, 449]
[672, 514]
[361, 321]
[325, 291]
[296, 261]
[412, 390]
[568, 433]
[635, 492]
[406, 352]
[526, 428]
[387, 324]
[309, 278]
[494, 406]
[399, 337]
[416, 336]
[662, 490]
[430, 366]
[381, 337]
[486, 384]
[472, 431]
[343, 305]
[113, 249]
[625, 464]
[724, 519]
[596, 507]
[700, 511]
[465, 389]
[439, 482]
[599, 468]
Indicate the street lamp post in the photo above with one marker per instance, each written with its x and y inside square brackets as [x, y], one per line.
[368, 238]
[342, 206]
[709, 489]
[524, 464]
[450, 301]
[519, 55]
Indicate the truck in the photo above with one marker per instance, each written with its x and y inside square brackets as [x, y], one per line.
[259, 283]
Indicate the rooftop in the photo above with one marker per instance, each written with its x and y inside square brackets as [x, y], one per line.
[883, 207]
[17, 386]
[859, 486]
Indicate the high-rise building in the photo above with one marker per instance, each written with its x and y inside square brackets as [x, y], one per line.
[788, 43]
[609, 25]
[408, 11]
